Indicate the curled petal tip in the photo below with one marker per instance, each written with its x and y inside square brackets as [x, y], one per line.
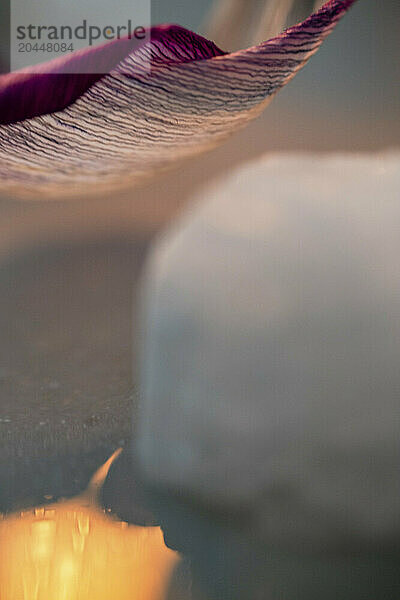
[63, 133]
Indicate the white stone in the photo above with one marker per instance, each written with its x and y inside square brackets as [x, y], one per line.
[270, 371]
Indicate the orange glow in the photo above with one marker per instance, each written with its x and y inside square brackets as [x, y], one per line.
[73, 551]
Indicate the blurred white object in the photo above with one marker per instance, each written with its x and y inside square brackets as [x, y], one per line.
[271, 345]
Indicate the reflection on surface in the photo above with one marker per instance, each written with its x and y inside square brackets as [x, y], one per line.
[72, 550]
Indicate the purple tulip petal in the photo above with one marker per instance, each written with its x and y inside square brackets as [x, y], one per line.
[112, 130]
[54, 85]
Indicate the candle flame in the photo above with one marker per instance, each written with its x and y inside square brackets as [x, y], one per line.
[72, 550]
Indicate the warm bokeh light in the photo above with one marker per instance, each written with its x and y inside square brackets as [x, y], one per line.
[72, 550]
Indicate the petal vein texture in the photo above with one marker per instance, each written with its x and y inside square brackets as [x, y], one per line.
[63, 133]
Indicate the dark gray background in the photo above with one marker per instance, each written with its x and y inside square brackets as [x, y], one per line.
[68, 271]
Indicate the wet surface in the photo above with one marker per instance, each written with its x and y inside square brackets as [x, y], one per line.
[67, 397]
